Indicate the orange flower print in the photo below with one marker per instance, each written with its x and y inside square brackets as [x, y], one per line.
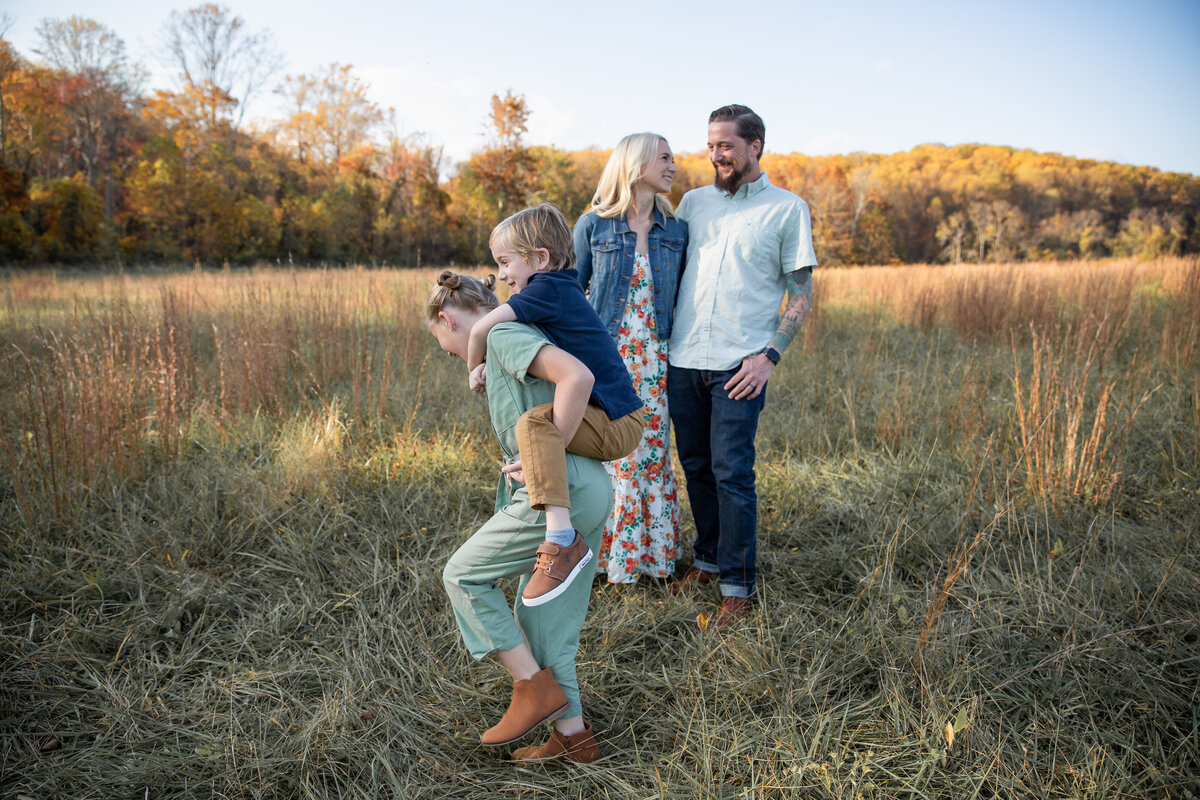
[642, 534]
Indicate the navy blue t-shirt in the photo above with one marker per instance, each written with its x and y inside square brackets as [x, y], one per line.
[555, 302]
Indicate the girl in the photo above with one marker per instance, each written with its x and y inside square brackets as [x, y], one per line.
[538, 646]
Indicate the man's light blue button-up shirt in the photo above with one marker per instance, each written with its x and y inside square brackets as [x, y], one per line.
[740, 246]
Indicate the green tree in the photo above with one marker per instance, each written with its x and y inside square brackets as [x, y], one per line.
[873, 240]
[16, 236]
[1081, 234]
[566, 179]
[414, 223]
[1149, 233]
[67, 220]
[158, 197]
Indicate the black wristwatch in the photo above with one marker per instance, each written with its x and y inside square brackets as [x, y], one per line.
[771, 353]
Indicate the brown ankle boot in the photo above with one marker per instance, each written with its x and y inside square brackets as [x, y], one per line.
[578, 747]
[694, 578]
[732, 611]
[537, 700]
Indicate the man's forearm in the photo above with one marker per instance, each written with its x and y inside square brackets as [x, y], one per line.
[799, 303]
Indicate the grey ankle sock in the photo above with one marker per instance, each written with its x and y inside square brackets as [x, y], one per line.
[563, 537]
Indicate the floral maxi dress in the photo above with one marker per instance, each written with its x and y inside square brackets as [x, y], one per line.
[642, 535]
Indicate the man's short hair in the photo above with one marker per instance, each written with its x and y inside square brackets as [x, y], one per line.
[749, 125]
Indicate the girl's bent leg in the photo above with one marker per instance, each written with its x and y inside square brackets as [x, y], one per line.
[552, 629]
[519, 662]
[505, 546]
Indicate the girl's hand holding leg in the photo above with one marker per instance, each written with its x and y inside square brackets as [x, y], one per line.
[477, 380]
[513, 470]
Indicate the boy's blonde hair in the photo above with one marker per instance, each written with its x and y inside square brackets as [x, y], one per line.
[454, 290]
[625, 167]
[538, 228]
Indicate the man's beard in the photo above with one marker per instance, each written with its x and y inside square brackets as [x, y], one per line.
[731, 183]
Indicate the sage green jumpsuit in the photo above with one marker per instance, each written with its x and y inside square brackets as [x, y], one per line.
[506, 545]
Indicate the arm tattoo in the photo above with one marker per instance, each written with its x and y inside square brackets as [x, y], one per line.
[799, 302]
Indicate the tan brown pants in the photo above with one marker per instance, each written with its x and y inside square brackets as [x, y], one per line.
[544, 457]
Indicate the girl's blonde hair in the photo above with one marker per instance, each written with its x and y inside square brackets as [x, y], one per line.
[454, 290]
[626, 166]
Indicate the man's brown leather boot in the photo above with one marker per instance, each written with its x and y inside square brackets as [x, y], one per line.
[693, 578]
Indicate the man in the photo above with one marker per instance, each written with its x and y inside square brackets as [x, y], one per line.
[749, 246]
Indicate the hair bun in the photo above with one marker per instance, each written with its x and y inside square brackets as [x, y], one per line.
[490, 281]
[449, 279]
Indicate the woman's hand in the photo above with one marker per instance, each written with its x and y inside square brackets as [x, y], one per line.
[477, 380]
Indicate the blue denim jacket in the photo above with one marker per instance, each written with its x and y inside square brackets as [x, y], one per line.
[604, 258]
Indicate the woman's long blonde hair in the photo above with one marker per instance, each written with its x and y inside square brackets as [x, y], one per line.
[455, 290]
[615, 195]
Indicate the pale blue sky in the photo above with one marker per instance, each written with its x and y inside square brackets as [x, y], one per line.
[1098, 79]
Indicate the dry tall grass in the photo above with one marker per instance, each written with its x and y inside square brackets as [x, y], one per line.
[227, 498]
[109, 388]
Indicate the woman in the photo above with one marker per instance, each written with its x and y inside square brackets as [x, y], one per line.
[538, 646]
[630, 247]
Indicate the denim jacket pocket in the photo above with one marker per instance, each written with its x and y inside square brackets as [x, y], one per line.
[606, 256]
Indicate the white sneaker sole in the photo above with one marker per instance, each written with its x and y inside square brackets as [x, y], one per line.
[562, 587]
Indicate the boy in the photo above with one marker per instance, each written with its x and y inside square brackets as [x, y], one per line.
[535, 252]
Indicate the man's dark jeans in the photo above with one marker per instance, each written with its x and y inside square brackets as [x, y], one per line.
[714, 437]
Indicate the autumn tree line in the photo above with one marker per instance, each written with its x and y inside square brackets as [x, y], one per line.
[94, 169]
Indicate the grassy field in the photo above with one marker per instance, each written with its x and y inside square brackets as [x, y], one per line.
[226, 499]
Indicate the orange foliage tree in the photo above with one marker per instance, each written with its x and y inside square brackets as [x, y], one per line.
[91, 168]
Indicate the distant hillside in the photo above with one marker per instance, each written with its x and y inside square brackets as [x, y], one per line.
[91, 171]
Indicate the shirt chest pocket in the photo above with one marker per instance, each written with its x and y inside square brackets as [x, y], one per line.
[753, 242]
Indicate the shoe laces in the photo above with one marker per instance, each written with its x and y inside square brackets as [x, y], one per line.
[544, 562]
